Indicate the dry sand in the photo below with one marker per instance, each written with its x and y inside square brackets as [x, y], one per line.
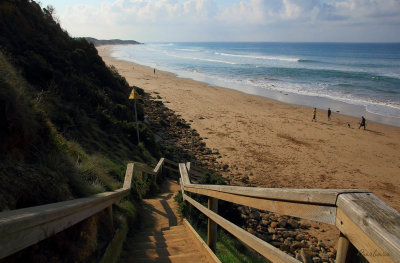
[276, 144]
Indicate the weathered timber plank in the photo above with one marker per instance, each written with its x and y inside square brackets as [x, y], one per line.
[184, 174]
[262, 247]
[182, 188]
[24, 227]
[188, 168]
[145, 170]
[128, 176]
[203, 246]
[371, 225]
[170, 162]
[320, 213]
[315, 196]
[159, 166]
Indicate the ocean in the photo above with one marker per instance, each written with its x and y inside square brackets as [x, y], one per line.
[352, 78]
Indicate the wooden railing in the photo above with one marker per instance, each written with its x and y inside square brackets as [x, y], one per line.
[364, 221]
[24, 227]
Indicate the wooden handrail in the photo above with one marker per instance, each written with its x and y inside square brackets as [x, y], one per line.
[307, 196]
[262, 247]
[21, 228]
[363, 219]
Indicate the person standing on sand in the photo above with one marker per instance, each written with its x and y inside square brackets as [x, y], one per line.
[362, 123]
[315, 115]
[154, 71]
[329, 114]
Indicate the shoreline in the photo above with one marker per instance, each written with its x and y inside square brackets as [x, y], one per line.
[310, 100]
[274, 144]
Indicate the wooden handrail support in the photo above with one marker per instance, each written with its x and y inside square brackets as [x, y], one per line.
[24, 227]
[363, 219]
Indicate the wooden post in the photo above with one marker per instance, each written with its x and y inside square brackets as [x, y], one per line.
[343, 248]
[346, 252]
[212, 226]
[110, 215]
[191, 149]
[137, 128]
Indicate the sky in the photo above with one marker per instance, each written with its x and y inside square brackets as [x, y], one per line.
[231, 20]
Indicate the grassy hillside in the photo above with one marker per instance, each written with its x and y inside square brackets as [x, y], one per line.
[62, 109]
[67, 130]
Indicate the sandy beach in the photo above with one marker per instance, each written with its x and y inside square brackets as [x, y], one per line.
[277, 144]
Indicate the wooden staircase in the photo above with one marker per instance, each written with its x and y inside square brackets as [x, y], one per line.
[165, 237]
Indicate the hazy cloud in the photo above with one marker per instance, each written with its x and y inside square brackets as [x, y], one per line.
[154, 20]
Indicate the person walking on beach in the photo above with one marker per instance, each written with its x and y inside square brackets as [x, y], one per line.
[362, 123]
[315, 115]
[329, 114]
[154, 71]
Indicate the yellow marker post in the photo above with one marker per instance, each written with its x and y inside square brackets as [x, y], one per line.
[135, 96]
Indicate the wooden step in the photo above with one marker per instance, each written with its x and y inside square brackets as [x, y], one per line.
[184, 258]
[143, 245]
[160, 238]
[164, 251]
[149, 232]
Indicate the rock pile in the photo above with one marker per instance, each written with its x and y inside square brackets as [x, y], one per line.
[287, 234]
[178, 141]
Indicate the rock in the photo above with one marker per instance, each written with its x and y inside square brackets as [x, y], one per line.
[305, 257]
[255, 215]
[300, 237]
[296, 245]
[282, 222]
[252, 222]
[265, 216]
[274, 224]
[321, 244]
[288, 241]
[261, 228]
[265, 222]
[271, 230]
[267, 237]
[288, 234]
[324, 257]
[251, 230]
[293, 223]
[284, 247]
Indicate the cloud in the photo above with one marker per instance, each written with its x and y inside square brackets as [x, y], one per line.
[191, 19]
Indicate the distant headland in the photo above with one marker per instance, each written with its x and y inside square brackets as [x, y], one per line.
[99, 42]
